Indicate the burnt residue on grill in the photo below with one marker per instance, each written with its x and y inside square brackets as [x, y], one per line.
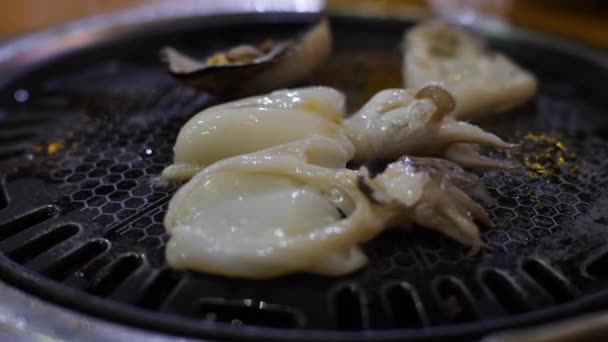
[80, 207]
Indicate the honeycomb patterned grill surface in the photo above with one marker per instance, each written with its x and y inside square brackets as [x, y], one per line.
[86, 148]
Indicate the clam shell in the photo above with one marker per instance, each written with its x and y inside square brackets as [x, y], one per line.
[287, 62]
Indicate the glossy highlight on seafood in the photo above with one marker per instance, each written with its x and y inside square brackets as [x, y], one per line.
[264, 200]
[482, 82]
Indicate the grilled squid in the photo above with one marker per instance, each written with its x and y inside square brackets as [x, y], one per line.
[482, 82]
[396, 122]
[276, 211]
[270, 193]
[256, 123]
[271, 213]
[433, 193]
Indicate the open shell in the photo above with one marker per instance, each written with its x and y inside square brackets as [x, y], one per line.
[248, 69]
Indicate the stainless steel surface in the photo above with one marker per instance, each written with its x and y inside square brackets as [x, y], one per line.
[591, 327]
[27, 318]
[36, 47]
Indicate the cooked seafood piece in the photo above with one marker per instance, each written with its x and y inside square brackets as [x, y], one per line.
[256, 123]
[433, 193]
[482, 82]
[247, 69]
[401, 121]
[270, 213]
[275, 212]
[271, 193]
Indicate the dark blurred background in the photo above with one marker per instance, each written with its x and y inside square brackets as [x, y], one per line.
[584, 20]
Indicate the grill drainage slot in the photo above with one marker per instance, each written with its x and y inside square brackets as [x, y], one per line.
[77, 259]
[249, 312]
[31, 219]
[159, 289]
[348, 308]
[455, 300]
[43, 243]
[3, 196]
[598, 267]
[9, 153]
[549, 279]
[404, 306]
[8, 137]
[117, 272]
[25, 121]
[507, 294]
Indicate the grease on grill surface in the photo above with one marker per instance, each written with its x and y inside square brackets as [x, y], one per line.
[123, 136]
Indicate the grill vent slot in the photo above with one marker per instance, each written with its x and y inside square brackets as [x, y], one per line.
[510, 297]
[3, 197]
[116, 274]
[549, 279]
[348, 308]
[248, 312]
[77, 259]
[11, 152]
[598, 267]
[8, 137]
[44, 242]
[160, 288]
[25, 121]
[455, 300]
[21, 223]
[404, 306]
